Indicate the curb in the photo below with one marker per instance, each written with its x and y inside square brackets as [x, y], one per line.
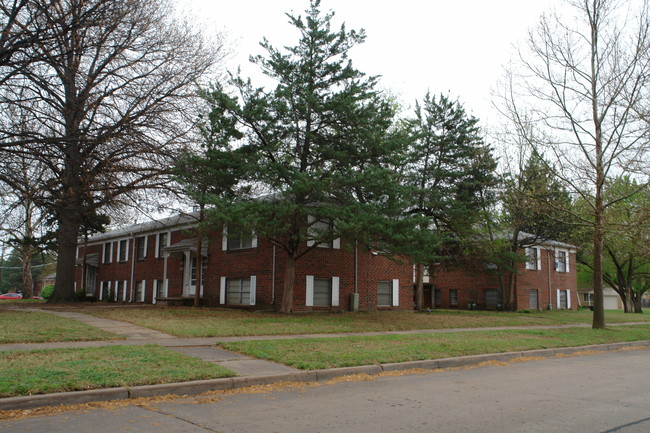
[201, 386]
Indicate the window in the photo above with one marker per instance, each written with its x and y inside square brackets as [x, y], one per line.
[437, 299]
[141, 243]
[108, 252]
[119, 289]
[236, 239]
[320, 232]
[384, 293]
[162, 243]
[322, 292]
[534, 259]
[453, 296]
[159, 289]
[238, 291]
[562, 299]
[561, 261]
[588, 298]
[139, 291]
[533, 303]
[123, 251]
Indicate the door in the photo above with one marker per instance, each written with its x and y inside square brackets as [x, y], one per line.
[189, 274]
[91, 277]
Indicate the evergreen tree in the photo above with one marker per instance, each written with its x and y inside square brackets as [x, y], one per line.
[309, 157]
[448, 174]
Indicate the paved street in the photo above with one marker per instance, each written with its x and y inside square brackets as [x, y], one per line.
[591, 393]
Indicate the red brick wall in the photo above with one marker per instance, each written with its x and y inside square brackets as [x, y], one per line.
[471, 284]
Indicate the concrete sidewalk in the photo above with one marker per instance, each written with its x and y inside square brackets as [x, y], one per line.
[251, 371]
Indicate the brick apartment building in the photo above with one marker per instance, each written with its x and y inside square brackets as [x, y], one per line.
[155, 262]
[546, 280]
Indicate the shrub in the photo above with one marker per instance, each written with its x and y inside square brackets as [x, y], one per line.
[47, 291]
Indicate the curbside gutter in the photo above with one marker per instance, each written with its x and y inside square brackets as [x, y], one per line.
[201, 386]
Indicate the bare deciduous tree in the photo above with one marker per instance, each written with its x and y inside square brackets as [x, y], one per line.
[580, 83]
[108, 100]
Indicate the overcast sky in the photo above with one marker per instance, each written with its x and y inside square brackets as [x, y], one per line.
[457, 47]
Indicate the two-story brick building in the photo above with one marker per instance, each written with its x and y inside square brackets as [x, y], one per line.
[546, 281]
[156, 262]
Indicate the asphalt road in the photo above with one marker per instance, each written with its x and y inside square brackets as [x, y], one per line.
[589, 393]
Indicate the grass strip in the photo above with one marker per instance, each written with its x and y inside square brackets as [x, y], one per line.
[193, 322]
[34, 327]
[58, 370]
[310, 354]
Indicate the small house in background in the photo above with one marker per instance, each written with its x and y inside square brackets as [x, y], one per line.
[611, 299]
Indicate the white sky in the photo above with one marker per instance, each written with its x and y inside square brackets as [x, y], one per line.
[457, 47]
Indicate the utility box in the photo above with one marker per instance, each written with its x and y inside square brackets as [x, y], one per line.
[354, 302]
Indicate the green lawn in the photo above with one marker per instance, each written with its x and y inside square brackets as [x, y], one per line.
[45, 371]
[190, 322]
[352, 351]
[17, 326]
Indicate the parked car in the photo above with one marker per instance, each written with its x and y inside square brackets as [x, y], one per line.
[11, 296]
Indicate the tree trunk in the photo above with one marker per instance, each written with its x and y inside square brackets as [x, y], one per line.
[66, 258]
[28, 282]
[599, 308]
[289, 280]
[419, 286]
[638, 307]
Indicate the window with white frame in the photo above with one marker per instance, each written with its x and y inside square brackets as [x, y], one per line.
[238, 291]
[123, 251]
[384, 293]
[141, 245]
[238, 239]
[453, 297]
[321, 231]
[108, 252]
[562, 260]
[534, 261]
[139, 291]
[322, 292]
[159, 289]
[161, 242]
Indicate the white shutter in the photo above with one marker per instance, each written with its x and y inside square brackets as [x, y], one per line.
[101, 290]
[309, 291]
[252, 288]
[568, 299]
[539, 258]
[146, 244]
[144, 289]
[336, 244]
[124, 291]
[559, 304]
[395, 293]
[254, 240]
[222, 291]
[335, 291]
[224, 240]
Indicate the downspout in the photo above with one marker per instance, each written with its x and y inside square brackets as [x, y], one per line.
[550, 290]
[132, 267]
[273, 277]
[356, 266]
